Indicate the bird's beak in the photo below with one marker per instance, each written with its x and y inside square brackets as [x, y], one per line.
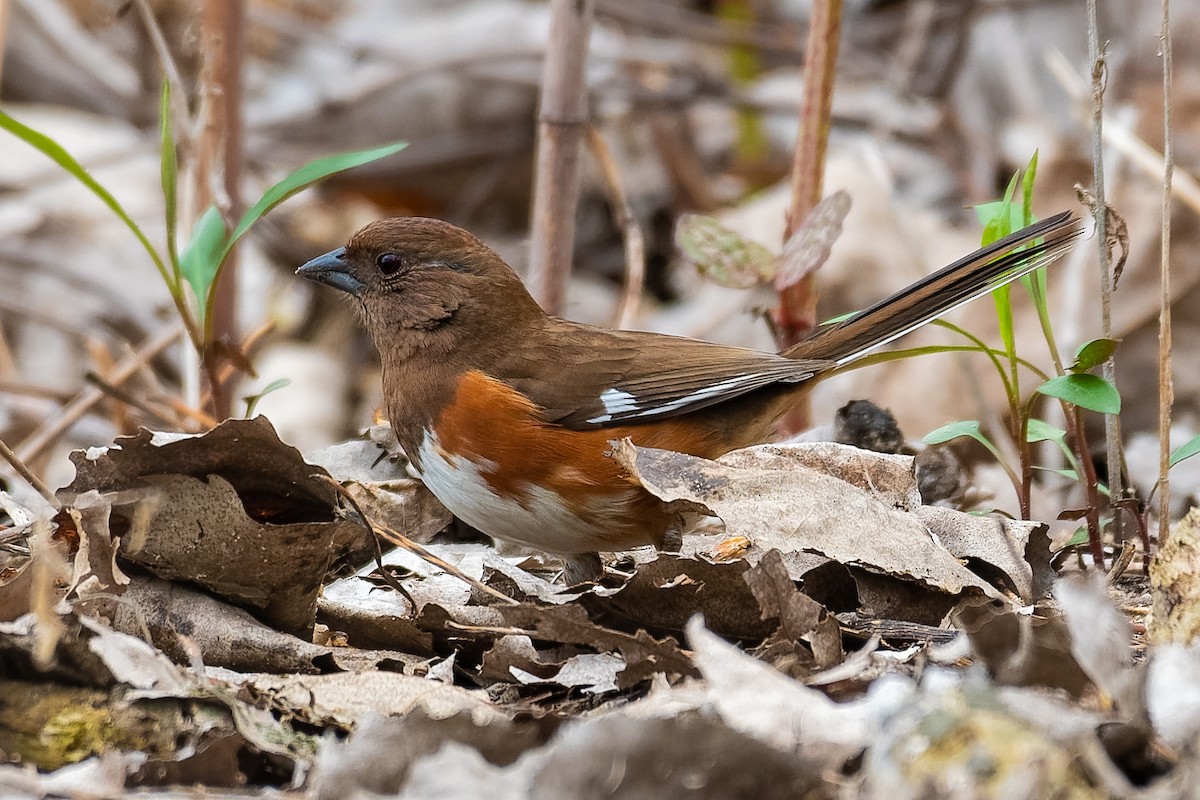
[332, 270]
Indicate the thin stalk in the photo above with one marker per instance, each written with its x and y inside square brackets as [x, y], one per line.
[796, 314]
[1166, 391]
[33, 480]
[1112, 422]
[219, 164]
[631, 232]
[562, 120]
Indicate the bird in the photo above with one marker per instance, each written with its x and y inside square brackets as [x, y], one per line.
[508, 413]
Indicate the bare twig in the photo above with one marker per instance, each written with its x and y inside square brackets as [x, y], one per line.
[124, 397]
[219, 161]
[387, 577]
[180, 121]
[1183, 186]
[48, 432]
[33, 480]
[562, 118]
[796, 314]
[1112, 422]
[682, 23]
[1166, 391]
[400, 540]
[631, 232]
[3, 28]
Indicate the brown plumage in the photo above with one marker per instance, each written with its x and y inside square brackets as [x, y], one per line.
[507, 412]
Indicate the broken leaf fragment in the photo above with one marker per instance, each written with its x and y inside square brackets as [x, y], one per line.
[238, 512]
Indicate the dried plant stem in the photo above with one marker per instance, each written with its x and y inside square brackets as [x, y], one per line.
[1112, 422]
[163, 415]
[4, 4]
[1091, 483]
[33, 480]
[219, 160]
[1124, 141]
[180, 121]
[631, 232]
[400, 540]
[48, 432]
[562, 119]
[1166, 392]
[796, 314]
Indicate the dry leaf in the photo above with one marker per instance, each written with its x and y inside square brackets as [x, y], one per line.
[801, 512]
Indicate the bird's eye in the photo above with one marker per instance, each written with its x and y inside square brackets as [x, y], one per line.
[390, 263]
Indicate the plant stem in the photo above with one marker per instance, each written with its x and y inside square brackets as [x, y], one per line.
[49, 431]
[796, 314]
[562, 118]
[33, 480]
[1112, 422]
[1166, 390]
[631, 232]
[219, 162]
[4, 4]
[1074, 419]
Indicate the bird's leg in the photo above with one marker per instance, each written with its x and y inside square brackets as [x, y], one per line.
[582, 568]
[672, 539]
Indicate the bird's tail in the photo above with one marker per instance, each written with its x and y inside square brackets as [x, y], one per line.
[977, 274]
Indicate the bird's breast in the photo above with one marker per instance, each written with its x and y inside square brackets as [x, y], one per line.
[496, 465]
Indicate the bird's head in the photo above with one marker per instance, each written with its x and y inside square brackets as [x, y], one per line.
[416, 276]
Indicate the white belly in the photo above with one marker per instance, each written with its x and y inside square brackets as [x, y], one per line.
[539, 519]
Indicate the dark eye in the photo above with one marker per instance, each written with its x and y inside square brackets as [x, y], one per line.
[390, 263]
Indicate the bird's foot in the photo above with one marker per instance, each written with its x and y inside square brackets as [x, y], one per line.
[582, 568]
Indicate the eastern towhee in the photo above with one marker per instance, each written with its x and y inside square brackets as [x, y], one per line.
[507, 412]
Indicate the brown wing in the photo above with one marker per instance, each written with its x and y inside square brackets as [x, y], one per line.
[604, 377]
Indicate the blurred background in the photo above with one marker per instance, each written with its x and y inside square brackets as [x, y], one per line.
[936, 105]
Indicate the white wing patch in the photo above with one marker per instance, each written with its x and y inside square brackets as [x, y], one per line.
[616, 402]
[622, 404]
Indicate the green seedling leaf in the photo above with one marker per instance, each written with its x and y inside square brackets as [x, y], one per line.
[60, 156]
[956, 430]
[252, 399]
[1092, 354]
[203, 256]
[1086, 391]
[809, 247]
[1027, 191]
[1037, 430]
[302, 178]
[1069, 474]
[723, 255]
[1000, 217]
[169, 170]
[1041, 431]
[1185, 451]
[1078, 538]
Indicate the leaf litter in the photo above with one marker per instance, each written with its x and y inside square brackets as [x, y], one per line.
[188, 618]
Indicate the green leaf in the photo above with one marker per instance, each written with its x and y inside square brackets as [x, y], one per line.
[1092, 354]
[1000, 218]
[302, 178]
[1027, 191]
[1069, 474]
[1040, 431]
[169, 171]
[1185, 451]
[60, 156]
[252, 399]
[956, 430]
[723, 255]
[203, 256]
[1080, 537]
[1086, 391]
